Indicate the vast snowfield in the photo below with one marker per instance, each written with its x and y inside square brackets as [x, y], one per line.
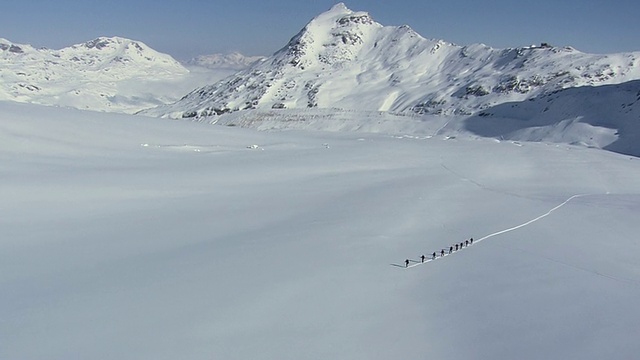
[129, 237]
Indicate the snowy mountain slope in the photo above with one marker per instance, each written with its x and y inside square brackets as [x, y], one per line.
[344, 59]
[606, 117]
[105, 74]
[128, 237]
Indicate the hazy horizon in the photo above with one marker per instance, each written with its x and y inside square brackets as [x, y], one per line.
[186, 29]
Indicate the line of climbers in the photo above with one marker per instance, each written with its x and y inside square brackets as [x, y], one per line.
[452, 248]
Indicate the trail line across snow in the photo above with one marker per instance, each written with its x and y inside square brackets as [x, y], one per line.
[414, 263]
[532, 220]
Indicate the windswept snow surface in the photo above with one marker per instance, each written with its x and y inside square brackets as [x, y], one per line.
[137, 238]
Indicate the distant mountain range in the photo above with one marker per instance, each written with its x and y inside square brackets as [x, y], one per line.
[344, 59]
[233, 61]
[104, 74]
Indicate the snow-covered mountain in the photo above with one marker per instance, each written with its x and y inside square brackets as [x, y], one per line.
[232, 61]
[107, 74]
[606, 116]
[344, 59]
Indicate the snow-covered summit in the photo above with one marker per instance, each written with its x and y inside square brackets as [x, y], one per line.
[90, 75]
[331, 38]
[11, 48]
[112, 52]
[344, 59]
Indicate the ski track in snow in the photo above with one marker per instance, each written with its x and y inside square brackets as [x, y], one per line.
[414, 263]
[533, 220]
[475, 241]
[446, 251]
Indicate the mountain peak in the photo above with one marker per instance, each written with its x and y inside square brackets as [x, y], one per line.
[6, 45]
[331, 38]
[339, 7]
[112, 44]
[344, 59]
[83, 74]
[339, 14]
[337, 10]
[103, 42]
[104, 52]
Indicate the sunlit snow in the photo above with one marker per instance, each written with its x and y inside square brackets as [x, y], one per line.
[287, 213]
[129, 237]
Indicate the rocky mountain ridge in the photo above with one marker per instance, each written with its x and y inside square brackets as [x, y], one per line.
[344, 59]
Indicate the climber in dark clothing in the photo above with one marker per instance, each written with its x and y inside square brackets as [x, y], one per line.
[456, 247]
[471, 241]
[406, 263]
[433, 256]
[441, 252]
[422, 257]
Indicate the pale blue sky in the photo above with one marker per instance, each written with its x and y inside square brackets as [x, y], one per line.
[187, 28]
